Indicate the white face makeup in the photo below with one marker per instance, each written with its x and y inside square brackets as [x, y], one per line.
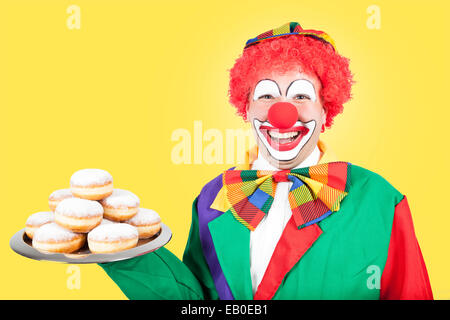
[298, 89]
[286, 147]
[265, 88]
[301, 87]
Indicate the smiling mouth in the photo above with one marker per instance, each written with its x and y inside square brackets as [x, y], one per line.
[283, 139]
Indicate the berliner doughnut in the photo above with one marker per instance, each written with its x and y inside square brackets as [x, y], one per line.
[78, 215]
[112, 237]
[105, 221]
[147, 222]
[120, 206]
[91, 184]
[36, 220]
[57, 196]
[53, 238]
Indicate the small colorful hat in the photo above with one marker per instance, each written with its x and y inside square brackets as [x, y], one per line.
[288, 29]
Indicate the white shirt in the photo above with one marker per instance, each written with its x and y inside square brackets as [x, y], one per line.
[264, 238]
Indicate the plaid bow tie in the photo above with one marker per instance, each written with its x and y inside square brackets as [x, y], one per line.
[316, 192]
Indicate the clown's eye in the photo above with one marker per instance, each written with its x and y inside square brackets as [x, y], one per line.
[302, 97]
[266, 96]
[301, 89]
[266, 89]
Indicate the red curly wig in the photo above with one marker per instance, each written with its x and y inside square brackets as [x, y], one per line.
[306, 54]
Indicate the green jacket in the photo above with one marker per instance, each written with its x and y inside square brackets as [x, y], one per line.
[344, 256]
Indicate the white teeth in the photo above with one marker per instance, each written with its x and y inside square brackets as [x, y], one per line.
[286, 135]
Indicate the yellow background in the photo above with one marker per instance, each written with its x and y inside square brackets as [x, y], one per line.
[110, 94]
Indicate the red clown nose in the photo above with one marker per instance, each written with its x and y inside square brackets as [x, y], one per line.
[282, 115]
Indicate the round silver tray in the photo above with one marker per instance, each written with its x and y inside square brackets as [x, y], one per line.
[21, 244]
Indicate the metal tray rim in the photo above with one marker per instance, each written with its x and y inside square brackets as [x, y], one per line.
[19, 246]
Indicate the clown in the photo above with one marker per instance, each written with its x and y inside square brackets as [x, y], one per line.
[292, 222]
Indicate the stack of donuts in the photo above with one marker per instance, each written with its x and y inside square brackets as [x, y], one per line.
[92, 210]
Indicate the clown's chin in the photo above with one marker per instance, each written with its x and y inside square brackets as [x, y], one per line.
[284, 145]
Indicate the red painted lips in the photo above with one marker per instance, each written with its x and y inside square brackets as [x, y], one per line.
[284, 139]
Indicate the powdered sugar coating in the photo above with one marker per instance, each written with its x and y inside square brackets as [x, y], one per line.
[144, 217]
[52, 232]
[113, 232]
[40, 218]
[106, 221]
[121, 198]
[103, 222]
[76, 207]
[61, 194]
[90, 177]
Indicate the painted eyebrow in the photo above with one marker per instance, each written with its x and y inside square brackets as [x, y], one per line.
[279, 90]
[287, 90]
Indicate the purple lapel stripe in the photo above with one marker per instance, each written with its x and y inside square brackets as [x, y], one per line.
[205, 215]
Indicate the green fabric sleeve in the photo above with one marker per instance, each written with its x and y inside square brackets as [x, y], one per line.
[194, 258]
[160, 275]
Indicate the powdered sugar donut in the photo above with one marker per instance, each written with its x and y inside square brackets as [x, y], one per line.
[147, 222]
[105, 221]
[121, 205]
[78, 215]
[112, 237]
[53, 238]
[36, 220]
[57, 196]
[91, 184]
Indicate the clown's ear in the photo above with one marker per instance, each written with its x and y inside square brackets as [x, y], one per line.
[247, 105]
[324, 115]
